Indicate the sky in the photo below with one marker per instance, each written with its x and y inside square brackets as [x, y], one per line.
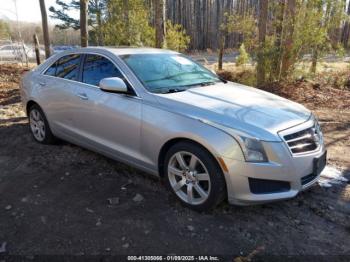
[28, 10]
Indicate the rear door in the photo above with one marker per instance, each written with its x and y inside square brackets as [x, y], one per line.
[109, 122]
[58, 84]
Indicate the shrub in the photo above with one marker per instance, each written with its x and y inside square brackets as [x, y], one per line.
[243, 57]
[246, 76]
[176, 38]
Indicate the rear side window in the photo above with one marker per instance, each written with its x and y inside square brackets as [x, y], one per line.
[98, 67]
[51, 71]
[67, 67]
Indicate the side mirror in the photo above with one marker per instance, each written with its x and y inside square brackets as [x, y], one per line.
[114, 85]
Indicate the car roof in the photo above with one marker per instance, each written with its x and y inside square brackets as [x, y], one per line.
[124, 50]
[118, 51]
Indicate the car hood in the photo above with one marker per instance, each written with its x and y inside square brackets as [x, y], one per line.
[247, 109]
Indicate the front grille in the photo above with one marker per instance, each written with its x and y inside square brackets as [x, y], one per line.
[307, 179]
[264, 186]
[304, 141]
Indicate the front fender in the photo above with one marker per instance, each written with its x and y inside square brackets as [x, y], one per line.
[160, 126]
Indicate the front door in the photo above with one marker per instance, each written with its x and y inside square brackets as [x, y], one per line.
[109, 122]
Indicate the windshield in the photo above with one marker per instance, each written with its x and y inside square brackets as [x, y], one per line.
[168, 73]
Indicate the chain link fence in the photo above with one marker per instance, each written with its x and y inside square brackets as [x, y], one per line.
[16, 52]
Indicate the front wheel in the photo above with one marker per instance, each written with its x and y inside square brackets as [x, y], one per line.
[194, 176]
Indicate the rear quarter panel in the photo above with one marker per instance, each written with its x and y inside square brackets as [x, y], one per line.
[25, 87]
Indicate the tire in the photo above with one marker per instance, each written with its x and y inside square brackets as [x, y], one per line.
[39, 126]
[192, 174]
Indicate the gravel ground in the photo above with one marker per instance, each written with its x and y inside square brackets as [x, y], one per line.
[65, 200]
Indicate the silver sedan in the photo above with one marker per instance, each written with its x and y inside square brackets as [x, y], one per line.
[159, 111]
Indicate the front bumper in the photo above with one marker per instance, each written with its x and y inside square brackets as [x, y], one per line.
[283, 168]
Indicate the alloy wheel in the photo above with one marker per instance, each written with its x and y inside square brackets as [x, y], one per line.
[189, 178]
[37, 125]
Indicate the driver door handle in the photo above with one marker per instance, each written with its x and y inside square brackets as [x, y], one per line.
[83, 96]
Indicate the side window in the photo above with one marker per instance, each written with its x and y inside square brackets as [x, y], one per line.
[96, 68]
[67, 67]
[51, 71]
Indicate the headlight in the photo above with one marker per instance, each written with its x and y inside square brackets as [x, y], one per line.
[318, 135]
[253, 150]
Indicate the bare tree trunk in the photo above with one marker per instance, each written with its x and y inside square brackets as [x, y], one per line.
[221, 50]
[314, 60]
[201, 18]
[83, 23]
[159, 20]
[346, 30]
[287, 58]
[164, 18]
[99, 23]
[45, 28]
[276, 60]
[261, 74]
[126, 19]
[37, 51]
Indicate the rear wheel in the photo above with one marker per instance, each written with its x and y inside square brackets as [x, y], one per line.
[39, 126]
[194, 176]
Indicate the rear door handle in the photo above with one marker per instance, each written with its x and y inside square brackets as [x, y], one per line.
[42, 83]
[82, 96]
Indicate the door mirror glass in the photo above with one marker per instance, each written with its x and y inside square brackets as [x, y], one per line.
[113, 84]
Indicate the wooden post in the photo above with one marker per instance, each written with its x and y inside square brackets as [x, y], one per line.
[37, 51]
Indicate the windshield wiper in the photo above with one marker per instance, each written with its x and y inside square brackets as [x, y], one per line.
[170, 90]
[171, 77]
[174, 90]
[201, 84]
[207, 83]
[223, 80]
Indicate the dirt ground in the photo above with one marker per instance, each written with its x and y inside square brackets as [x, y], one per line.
[54, 200]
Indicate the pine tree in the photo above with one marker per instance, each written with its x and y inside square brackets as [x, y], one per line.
[127, 23]
[96, 10]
